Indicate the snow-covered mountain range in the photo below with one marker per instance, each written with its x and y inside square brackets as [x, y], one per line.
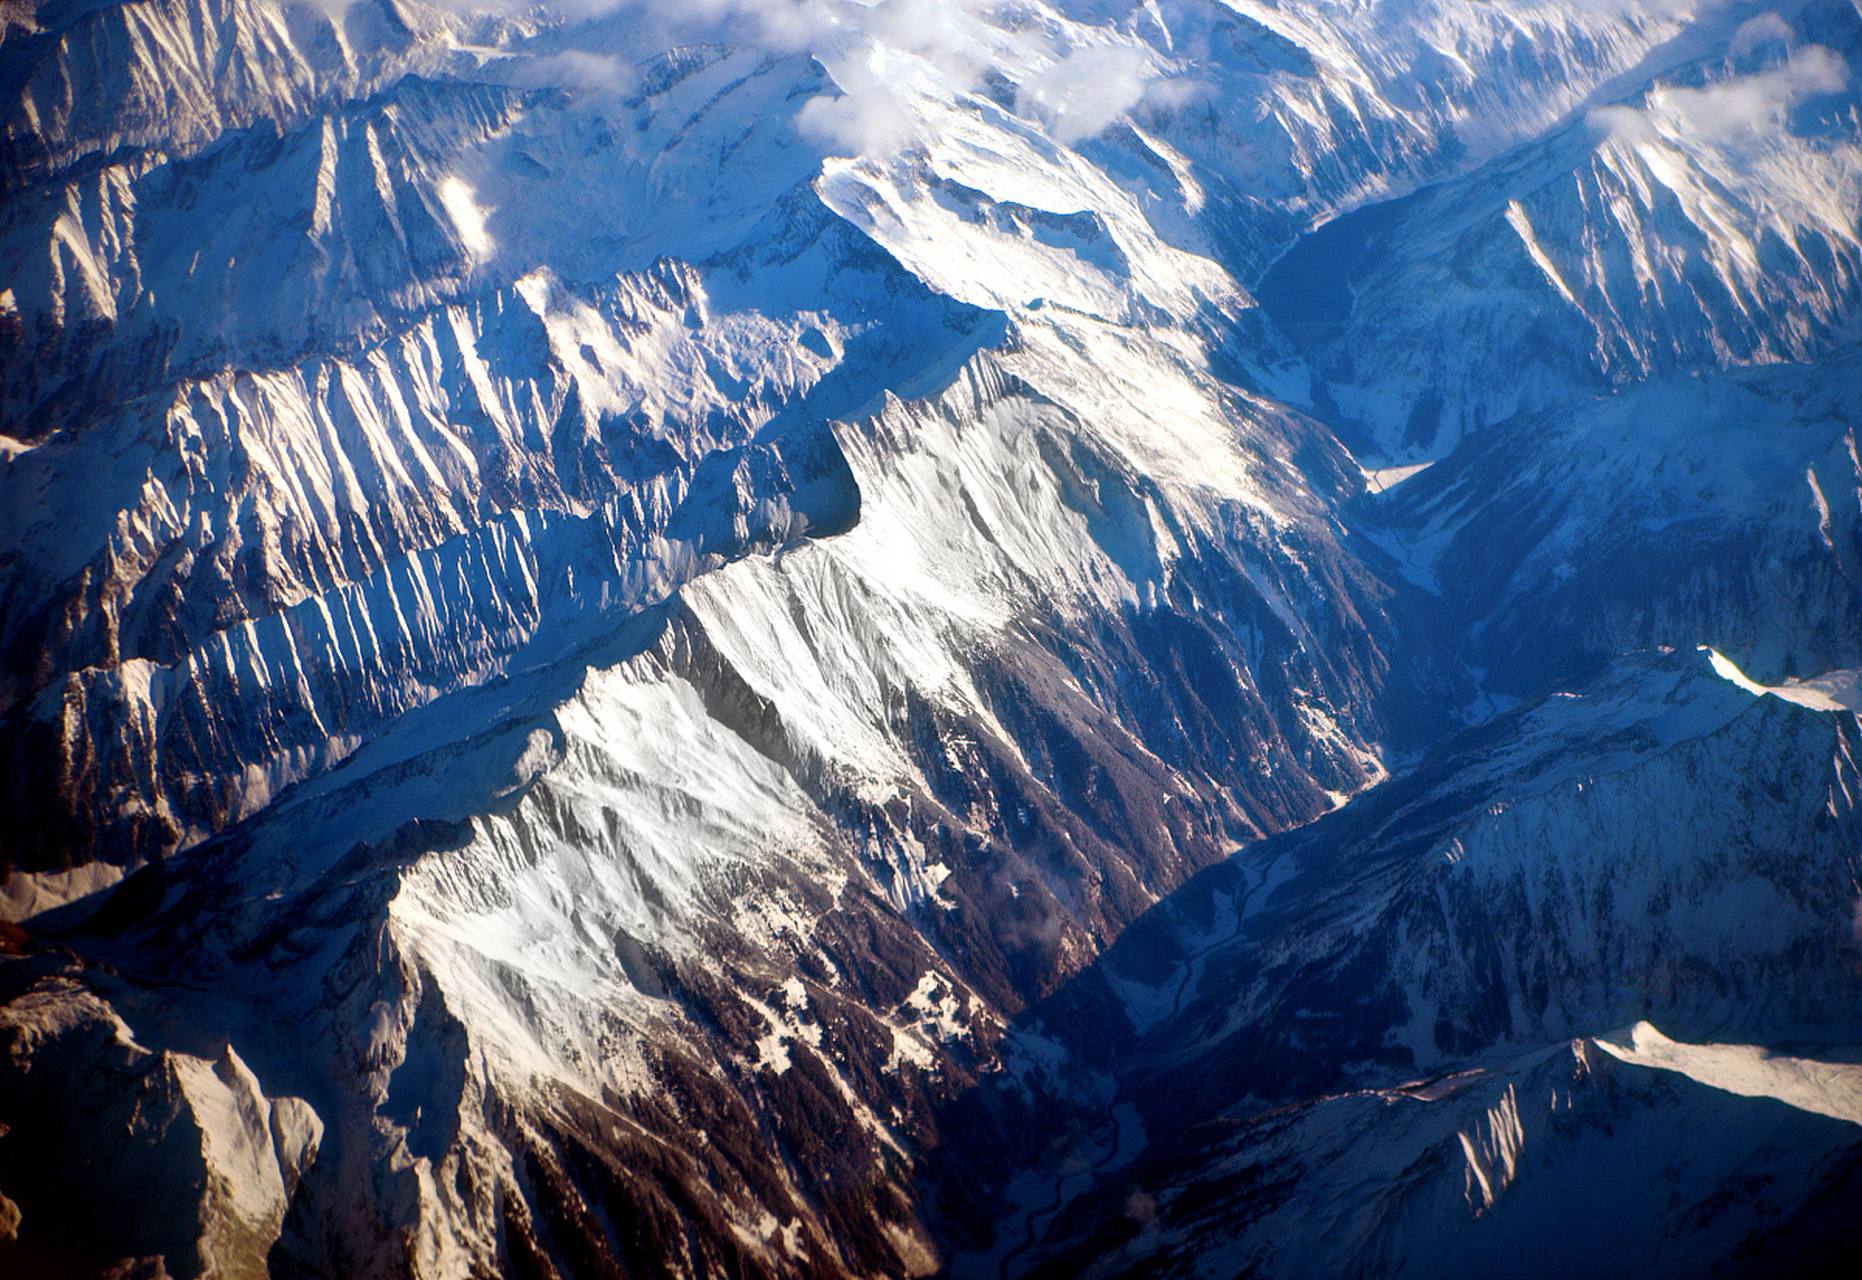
[839, 639]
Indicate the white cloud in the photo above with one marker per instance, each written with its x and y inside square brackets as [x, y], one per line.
[876, 54]
[1760, 101]
[954, 35]
[1632, 8]
[879, 53]
[870, 120]
[1742, 106]
[577, 69]
[1088, 89]
[1619, 121]
[1753, 32]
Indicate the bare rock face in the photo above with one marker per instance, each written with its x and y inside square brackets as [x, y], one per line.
[123, 1158]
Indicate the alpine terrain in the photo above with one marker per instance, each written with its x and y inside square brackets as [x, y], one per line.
[885, 638]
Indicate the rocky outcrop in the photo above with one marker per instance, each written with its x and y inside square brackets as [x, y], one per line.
[184, 1166]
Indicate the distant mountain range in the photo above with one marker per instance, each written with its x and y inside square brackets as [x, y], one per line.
[822, 639]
